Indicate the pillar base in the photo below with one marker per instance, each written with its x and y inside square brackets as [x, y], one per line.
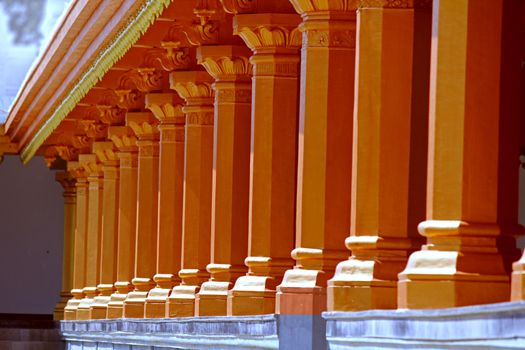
[70, 311]
[181, 302]
[301, 293]
[356, 285]
[58, 311]
[84, 307]
[212, 299]
[518, 280]
[251, 295]
[99, 308]
[116, 301]
[156, 302]
[443, 279]
[134, 305]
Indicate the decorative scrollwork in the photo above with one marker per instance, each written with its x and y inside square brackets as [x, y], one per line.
[143, 79]
[238, 6]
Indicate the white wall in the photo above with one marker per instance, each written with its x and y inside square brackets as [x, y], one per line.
[31, 233]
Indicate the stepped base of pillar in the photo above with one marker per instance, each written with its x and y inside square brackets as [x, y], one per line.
[181, 302]
[116, 305]
[84, 309]
[517, 287]
[301, 292]
[99, 308]
[355, 285]
[212, 299]
[156, 303]
[251, 295]
[70, 311]
[134, 304]
[58, 311]
[441, 279]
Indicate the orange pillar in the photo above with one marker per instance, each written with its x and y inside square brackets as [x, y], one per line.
[145, 128]
[389, 155]
[231, 69]
[125, 141]
[167, 109]
[325, 158]
[70, 200]
[473, 163]
[195, 88]
[94, 230]
[79, 248]
[275, 41]
[105, 153]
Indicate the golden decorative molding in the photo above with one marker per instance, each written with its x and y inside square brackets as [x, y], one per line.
[398, 4]
[94, 129]
[76, 170]
[305, 6]
[115, 50]
[260, 31]
[129, 99]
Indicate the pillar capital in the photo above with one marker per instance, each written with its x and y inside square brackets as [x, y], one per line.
[123, 137]
[226, 62]
[166, 107]
[91, 165]
[193, 86]
[268, 31]
[67, 181]
[76, 170]
[105, 152]
[143, 124]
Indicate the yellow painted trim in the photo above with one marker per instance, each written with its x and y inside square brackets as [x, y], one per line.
[128, 36]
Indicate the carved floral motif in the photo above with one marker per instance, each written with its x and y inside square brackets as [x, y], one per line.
[219, 67]
[270, 36]
[143, 79]
[238, 6]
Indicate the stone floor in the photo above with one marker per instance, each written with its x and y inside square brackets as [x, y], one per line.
[29, 332]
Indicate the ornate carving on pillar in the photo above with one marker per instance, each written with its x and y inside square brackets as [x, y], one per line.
[395, 4]
[195, 87]
[123, 137]
[226, 63]
[110, 114]
[204, 30]
[171, 57]
[239, 6]
[143, 79]
[268, 31]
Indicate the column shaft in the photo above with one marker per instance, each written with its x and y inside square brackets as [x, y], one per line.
[324, 154]
[231, 175]
[389, 155]
[167, 109]
[125, 141]
[94, 232]
[144, 126]
[70, 200]
[195, 88]
[273, 159]
[473, 157]
[108, 261]
[79, 258]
